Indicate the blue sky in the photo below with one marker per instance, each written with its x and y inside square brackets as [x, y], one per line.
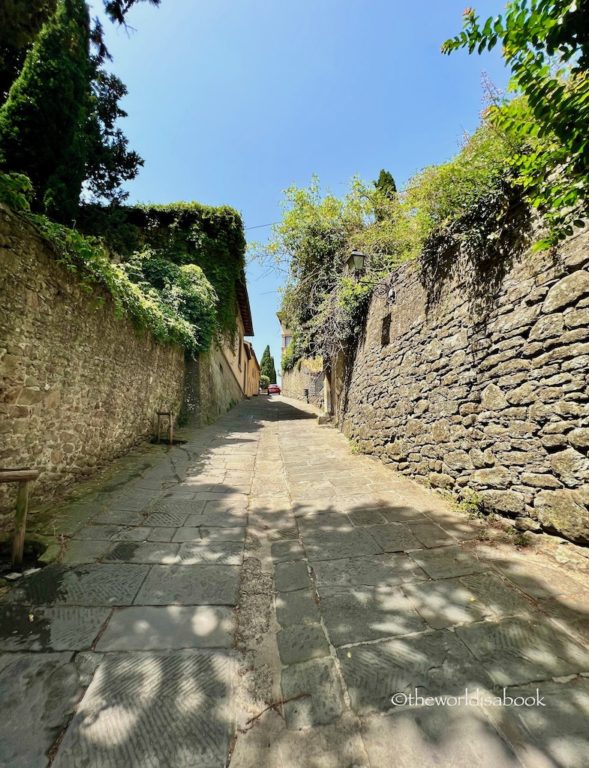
[232, 101]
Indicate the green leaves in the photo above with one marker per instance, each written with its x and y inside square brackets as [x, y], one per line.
[546, 43]
[267, 366]
[42, 121]
[16, 191]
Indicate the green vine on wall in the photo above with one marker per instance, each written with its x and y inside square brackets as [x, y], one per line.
[171, 269]
[181, 233]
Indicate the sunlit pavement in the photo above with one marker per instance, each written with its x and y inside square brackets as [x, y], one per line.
[262, 596]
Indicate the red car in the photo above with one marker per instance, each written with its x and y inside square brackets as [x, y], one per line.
[273, 389]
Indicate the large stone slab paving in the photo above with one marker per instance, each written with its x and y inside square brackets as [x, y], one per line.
[162, 533]
[145, 628]
[83, 551]
[59, 628]
[446, 602]
[165, 518]
[296, 608]
[291, 575]
[367, 517]
[498, 595]
[140, 533]
[394, 537]
[163, 553]
[219, 518]
[554, 733]
[446, 562]
[315, 691]
[199, 552]
[360, 614]
[398, 513]
[516, 651]
[38, 693]
[432, 663]
[333, 545]
[190, 585]
[325, 746]
[536, 578]
[119, 517]
[378, 570]
[98, 532]
[319, 523]
[574, 618]
[150, 709]
[301, 643]
[87, 585]
[283, 551]
[436, 737]
[431, 535]
[208, 533]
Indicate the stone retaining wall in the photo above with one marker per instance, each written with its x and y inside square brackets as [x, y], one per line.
[484, 386]
[78, 386]
[302, 376]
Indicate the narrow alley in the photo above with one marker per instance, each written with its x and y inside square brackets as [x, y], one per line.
[261, 596]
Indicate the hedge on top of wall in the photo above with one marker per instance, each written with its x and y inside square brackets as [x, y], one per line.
[183, 233]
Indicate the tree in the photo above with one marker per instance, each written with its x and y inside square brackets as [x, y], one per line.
[267, 367]
[59, 123]
[118, 9]
[20, 22]
[546, 44]
[386, 184]
[386, 193]
[43, 121]
[108, 159]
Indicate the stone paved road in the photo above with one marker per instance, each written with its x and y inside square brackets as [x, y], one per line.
[263, 562]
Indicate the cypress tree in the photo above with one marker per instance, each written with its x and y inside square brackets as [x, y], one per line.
[267, 367]
[386, 184]
[42, 122]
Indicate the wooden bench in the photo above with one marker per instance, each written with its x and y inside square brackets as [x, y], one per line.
[24, 478]
[170, 416]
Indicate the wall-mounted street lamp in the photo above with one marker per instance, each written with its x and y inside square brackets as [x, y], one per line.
[356, 263]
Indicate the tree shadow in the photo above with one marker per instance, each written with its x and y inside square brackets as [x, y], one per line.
[410, 597]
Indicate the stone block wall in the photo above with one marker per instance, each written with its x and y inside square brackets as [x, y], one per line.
[219, 390]
[78, 386]
[304, 375]
[484, 386]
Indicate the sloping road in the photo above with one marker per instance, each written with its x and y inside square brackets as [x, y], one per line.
[260, 593]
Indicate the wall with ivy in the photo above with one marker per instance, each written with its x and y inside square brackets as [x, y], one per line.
[80, 383]
[184, 233]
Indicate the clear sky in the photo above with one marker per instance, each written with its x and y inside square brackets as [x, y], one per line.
[231, 101]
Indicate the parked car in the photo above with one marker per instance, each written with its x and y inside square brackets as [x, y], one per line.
[273, 389]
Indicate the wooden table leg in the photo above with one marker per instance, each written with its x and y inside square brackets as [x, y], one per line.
[22, 506]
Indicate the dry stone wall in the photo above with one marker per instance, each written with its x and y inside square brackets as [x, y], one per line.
[484, 387]
[78, 385]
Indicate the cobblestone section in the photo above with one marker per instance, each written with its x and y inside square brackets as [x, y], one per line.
[491, 395]
[257, 596]
[78, 385]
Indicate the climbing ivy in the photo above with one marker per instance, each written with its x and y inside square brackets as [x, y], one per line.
[160, 286]
[180, 233]
[91, 261]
